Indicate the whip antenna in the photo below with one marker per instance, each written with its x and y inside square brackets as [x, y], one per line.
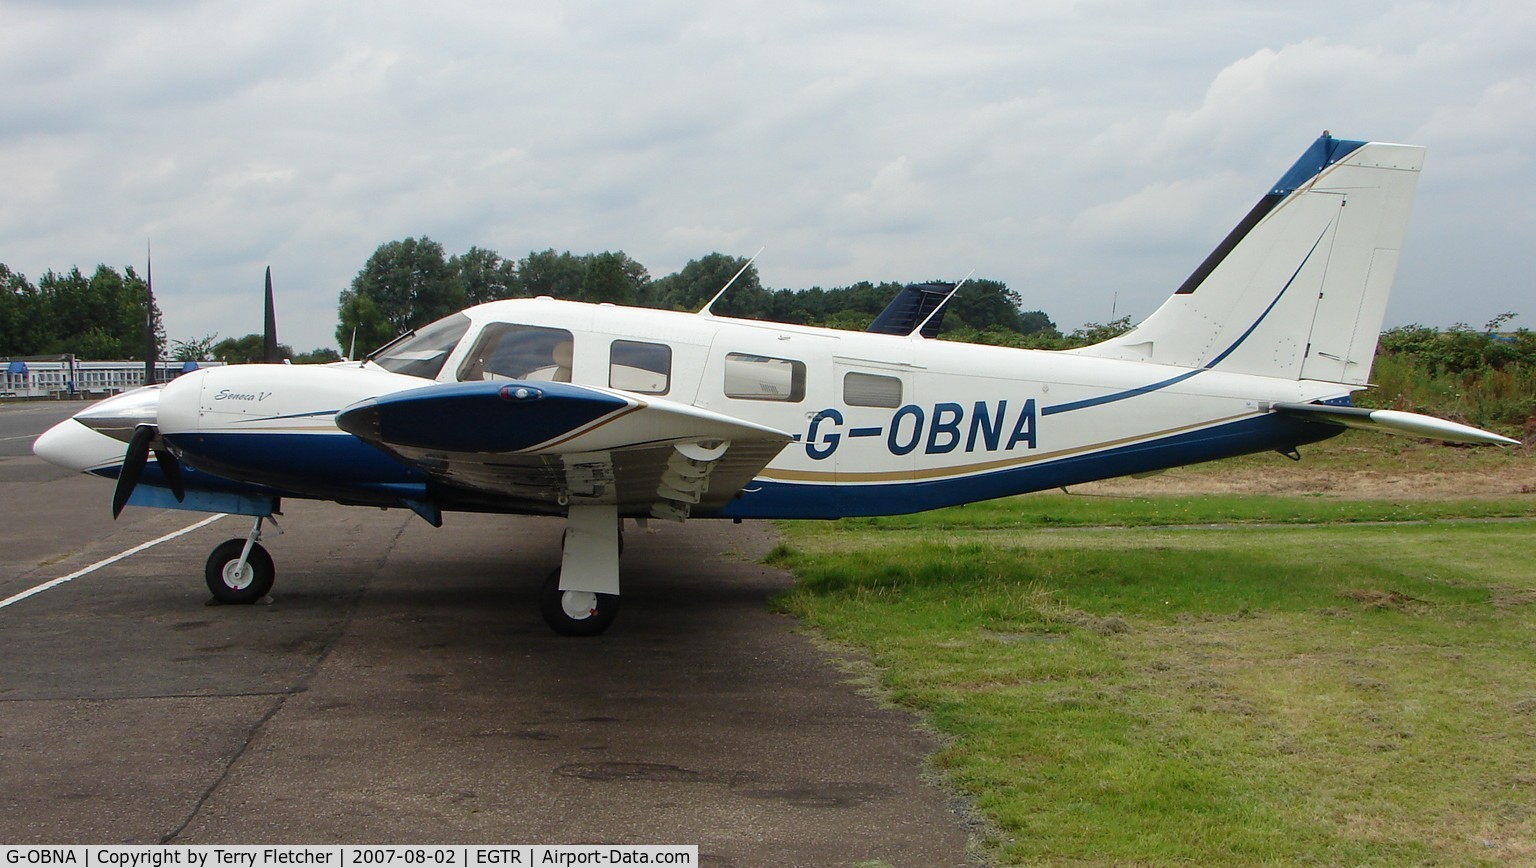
[705, 309]
[940, 306]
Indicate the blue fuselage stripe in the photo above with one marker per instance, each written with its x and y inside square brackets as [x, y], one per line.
[1116, 396]
[769, 499]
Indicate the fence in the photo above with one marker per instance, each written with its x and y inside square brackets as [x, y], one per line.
[68, 377]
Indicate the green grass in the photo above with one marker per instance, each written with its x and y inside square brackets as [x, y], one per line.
[1076, 510]
[1347, 693]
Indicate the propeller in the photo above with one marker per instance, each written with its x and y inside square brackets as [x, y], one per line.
[139, 447]
[133, 467]
[269, 350]
[170, 468]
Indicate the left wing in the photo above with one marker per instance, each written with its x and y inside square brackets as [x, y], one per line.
[542, 446]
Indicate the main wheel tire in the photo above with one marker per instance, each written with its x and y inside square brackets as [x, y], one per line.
[599, 611]
[245, 586]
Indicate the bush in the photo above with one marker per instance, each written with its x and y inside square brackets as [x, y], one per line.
[1479, 377]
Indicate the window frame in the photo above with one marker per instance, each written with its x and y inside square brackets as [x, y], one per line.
[894, 402]
[666, 375]
[797, 378]
[490, 340]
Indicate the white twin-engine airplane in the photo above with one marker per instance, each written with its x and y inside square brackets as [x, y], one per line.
[601, 413]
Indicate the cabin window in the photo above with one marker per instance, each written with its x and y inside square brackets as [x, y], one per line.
[636, 366]
[423, 352]
[871, 390]
[760, 378]
[505, 351]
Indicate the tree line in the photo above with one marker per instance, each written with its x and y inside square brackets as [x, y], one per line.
[103, 316]
[407, 284]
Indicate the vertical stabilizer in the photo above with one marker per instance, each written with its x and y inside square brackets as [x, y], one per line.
[1299, 288]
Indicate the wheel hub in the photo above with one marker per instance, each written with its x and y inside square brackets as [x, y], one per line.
[238, 576]
[578, 605]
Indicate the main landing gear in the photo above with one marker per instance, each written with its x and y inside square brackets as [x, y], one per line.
[240, 571]
[581, 598]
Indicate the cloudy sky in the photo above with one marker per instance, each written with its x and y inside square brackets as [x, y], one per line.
[1089, 154]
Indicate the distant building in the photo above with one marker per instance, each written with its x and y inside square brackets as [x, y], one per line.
[66, 376]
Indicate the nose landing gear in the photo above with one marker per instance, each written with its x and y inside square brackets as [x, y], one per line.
[239, 571]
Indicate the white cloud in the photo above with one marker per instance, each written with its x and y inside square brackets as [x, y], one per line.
[1072, 149]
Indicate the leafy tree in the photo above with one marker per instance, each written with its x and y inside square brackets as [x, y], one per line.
[1091, 333]
[484, 276]
[363, 326]
[317, 356]
[984, 304]
[699, 280]
[546, 272]
[100, 317]
[613, 277]
[23, 320]
[194, 349]
[1035, 322]
[246, 350]
[409, 284]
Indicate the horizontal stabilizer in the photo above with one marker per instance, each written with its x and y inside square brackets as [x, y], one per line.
[1392, 422]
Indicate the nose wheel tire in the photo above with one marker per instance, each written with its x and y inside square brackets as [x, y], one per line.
[232, 583]
[575, 613]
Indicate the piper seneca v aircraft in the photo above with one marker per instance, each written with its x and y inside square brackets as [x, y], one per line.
[601, 413]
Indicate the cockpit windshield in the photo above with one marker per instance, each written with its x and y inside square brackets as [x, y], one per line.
[421, 353]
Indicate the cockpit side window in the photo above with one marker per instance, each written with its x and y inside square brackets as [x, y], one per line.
[423, 353]
[506, 351]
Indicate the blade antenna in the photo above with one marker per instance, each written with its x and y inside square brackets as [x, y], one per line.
[705, 310]
[917, 332]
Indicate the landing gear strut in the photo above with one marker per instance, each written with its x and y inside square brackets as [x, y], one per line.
[240, 571]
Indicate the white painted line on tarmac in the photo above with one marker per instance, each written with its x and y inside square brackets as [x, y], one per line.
[109, 561]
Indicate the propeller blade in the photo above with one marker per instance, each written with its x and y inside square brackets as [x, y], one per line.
[170, 468]
[269, 351]
[133, 467]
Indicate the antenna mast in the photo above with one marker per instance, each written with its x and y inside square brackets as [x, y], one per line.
[705, 310]
[917, 332]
